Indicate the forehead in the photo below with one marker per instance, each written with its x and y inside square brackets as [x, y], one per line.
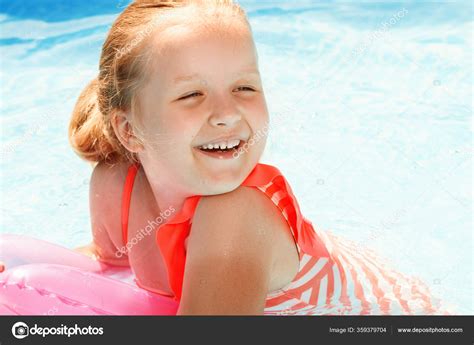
[196, 43]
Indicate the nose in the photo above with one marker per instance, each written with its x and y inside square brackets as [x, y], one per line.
[225, 114]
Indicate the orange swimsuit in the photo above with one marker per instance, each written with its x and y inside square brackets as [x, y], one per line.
[335, 276]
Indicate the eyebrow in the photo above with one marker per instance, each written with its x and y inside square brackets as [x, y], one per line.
[185, 78]
[191, 77]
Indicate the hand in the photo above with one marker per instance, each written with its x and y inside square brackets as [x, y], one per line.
[88, 250]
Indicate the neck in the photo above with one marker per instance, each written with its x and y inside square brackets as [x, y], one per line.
[166, 196]
[167, 200]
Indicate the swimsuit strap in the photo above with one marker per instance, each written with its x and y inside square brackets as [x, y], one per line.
[126, 198]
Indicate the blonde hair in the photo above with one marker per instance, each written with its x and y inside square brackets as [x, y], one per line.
[121, 72]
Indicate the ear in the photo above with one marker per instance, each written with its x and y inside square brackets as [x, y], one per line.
[124, 131]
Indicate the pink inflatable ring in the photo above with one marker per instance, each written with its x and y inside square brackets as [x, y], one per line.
[45, 279]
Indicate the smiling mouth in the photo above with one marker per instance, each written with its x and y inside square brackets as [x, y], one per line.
[229, 150]
[223, 148]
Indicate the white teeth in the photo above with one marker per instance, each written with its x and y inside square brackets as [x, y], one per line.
[222, 145]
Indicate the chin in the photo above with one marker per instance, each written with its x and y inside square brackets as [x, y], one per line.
[223, 186]
[227, 188]
[221, 183]
[224, 179]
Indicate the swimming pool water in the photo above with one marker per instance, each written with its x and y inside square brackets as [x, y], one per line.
[371, 123]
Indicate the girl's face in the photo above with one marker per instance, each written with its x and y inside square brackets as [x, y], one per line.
[203, 90]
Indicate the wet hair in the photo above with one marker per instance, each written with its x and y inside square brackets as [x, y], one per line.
[122, 69]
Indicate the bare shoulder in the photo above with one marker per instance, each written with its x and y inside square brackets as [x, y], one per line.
[105, 195]
[246, 221]
[242, 247]
[107, 180]
[245, 209]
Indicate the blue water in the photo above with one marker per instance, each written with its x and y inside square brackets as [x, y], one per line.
[371, 123]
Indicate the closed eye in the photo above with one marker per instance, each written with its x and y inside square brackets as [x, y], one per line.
[244, 88]
[196, 94]
[191, 95]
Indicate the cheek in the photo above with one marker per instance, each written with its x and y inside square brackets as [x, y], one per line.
[260, 123]
[260, 112]
[171, 135]
[184, 129]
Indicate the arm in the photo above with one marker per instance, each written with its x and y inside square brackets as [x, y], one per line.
[229, 255]
[101, 248]
[104, 201]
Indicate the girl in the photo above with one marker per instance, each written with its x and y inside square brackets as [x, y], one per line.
[176, 122]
